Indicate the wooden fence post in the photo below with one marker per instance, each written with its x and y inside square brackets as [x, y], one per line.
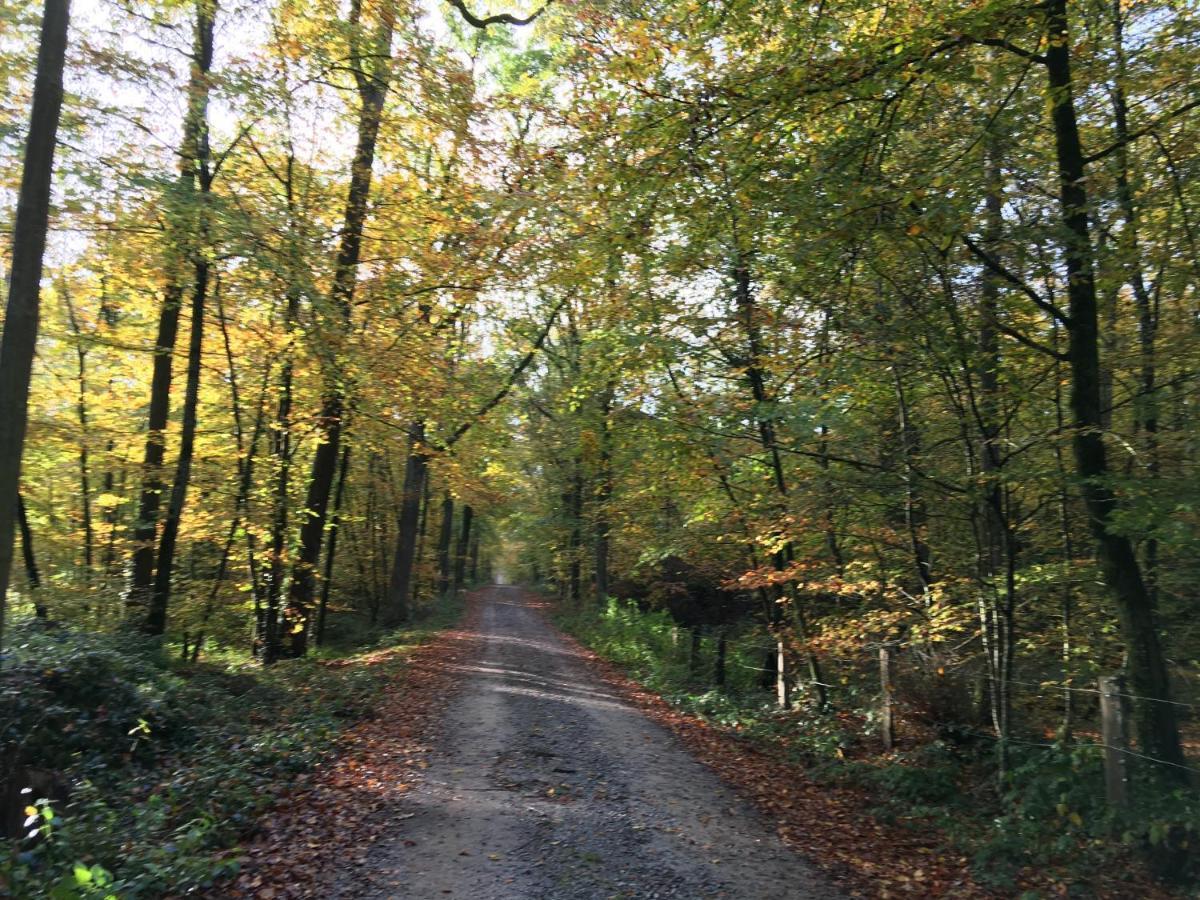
[783, 695]
[886, 722]
[1114, 734]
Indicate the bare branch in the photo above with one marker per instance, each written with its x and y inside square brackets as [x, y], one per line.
[498, 19]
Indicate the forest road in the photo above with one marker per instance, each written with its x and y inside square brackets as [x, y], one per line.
[545, 784]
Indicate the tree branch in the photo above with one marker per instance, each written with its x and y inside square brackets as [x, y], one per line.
[1030, 342]
[1141, 132]
[498, 19]
[509, 383]
[1000, 269]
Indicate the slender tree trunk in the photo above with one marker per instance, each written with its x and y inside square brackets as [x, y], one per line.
[914, 504]
[996, 599]
[719, 664]
[112, 514]
[245, 484]
[1146, 406]
[1158, 731]
[747, 319]
[371, 71]
[575, 537]
[416, 470]
[445, 532]
[268, 637]
[32, 574]
[331, 550]
[156, 619]
[179, 252]
[422, 531]
[464, 543]
[604, 489]
[30, 226]
[1068, 549]
[81, 411]
[198, 156]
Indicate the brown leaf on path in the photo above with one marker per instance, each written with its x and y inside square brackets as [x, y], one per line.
[346, 803]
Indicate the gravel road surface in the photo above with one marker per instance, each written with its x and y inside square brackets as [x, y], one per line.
[545, 784]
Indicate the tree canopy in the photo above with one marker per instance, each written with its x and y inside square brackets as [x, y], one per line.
[860, 326]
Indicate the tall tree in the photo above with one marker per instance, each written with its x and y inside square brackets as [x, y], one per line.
[370, 63]
[156, 617]
[180, 254]
[30, 227]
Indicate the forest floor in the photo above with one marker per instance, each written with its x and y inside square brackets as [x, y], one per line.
[511, 762]
[506, 767]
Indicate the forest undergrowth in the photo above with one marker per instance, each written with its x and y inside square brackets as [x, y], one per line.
[1043, 830]
[151, 770]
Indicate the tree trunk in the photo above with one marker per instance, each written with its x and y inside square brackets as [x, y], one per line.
[81, 410]
[156, 616]
[372, 76]
[32, 574]
[416, 468]
[422, 530]
[604, 487]
[1157, 728]
[915, 515]
[19, 341]
[1146, 405]
[464, 543]
[475, 558]
[445, 531]
[156, 619]
[331, 550]
[245, 483]
[719, 665]
[997, 599]
[195, 131]
[746, 314]
[575, 538]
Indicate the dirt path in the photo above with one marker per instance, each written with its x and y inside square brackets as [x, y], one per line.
[545, 784]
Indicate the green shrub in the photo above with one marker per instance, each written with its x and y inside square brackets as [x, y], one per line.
[168, 764]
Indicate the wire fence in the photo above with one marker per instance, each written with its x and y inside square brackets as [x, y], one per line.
[1046, 689]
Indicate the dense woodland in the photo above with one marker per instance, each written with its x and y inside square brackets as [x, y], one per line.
[772, 338]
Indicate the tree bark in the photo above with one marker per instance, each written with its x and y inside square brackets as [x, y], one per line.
[445, 531]
[156, 615]
[1158, 731]
[371, 71]
[32, 222]
[145, 533]
[416, 468]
